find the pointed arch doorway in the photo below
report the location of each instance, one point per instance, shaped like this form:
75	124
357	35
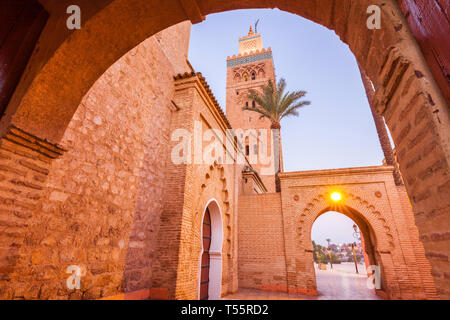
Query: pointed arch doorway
204	273
210	277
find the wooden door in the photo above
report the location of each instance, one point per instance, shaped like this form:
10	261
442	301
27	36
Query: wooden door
204	278
21	23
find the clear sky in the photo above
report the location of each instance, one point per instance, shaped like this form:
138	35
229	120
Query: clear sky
325	227
337	129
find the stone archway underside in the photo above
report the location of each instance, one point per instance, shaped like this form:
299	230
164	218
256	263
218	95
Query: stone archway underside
406	94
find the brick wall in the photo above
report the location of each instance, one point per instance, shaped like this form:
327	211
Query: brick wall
262	261
190	187
428	21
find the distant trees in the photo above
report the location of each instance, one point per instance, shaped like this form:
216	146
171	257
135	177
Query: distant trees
321	255
350	258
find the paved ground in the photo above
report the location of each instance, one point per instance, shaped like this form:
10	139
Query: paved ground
340	283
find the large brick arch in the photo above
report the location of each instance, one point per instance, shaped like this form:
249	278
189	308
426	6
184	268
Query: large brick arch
65	65
116	28
380	209
356	208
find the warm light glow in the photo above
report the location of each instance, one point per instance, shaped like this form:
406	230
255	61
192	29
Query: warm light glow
336	196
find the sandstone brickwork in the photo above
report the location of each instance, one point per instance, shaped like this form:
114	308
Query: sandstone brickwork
191	186
262	259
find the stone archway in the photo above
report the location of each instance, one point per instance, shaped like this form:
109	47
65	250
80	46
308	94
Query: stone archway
368	239
406	93
79	58
378	239
371	199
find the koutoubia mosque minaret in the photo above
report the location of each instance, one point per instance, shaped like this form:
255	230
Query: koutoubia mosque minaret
250	69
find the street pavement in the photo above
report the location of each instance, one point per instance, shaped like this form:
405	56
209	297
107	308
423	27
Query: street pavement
339	283
343	283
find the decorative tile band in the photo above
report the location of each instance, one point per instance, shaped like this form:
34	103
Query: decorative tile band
249	59
243	39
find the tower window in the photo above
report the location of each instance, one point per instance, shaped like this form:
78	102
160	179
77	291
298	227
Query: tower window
255	149
247	150
245	76
237	92
253	76
253	104
246	104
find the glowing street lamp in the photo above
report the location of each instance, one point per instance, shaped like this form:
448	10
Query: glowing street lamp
336	196
357	233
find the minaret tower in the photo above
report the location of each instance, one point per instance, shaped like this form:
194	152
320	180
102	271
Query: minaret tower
250	69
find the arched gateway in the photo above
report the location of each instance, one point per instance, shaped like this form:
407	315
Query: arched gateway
52	215
369	197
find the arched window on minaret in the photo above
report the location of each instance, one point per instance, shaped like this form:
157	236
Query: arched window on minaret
261	73
245	76
246	104
253	103
247	146
253	75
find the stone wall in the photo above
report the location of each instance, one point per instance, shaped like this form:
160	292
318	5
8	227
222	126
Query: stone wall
100	206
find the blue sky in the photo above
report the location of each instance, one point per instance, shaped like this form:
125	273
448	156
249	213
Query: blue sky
337	129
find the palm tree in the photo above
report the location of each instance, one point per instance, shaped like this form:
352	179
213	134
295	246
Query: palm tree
381	130
274	104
